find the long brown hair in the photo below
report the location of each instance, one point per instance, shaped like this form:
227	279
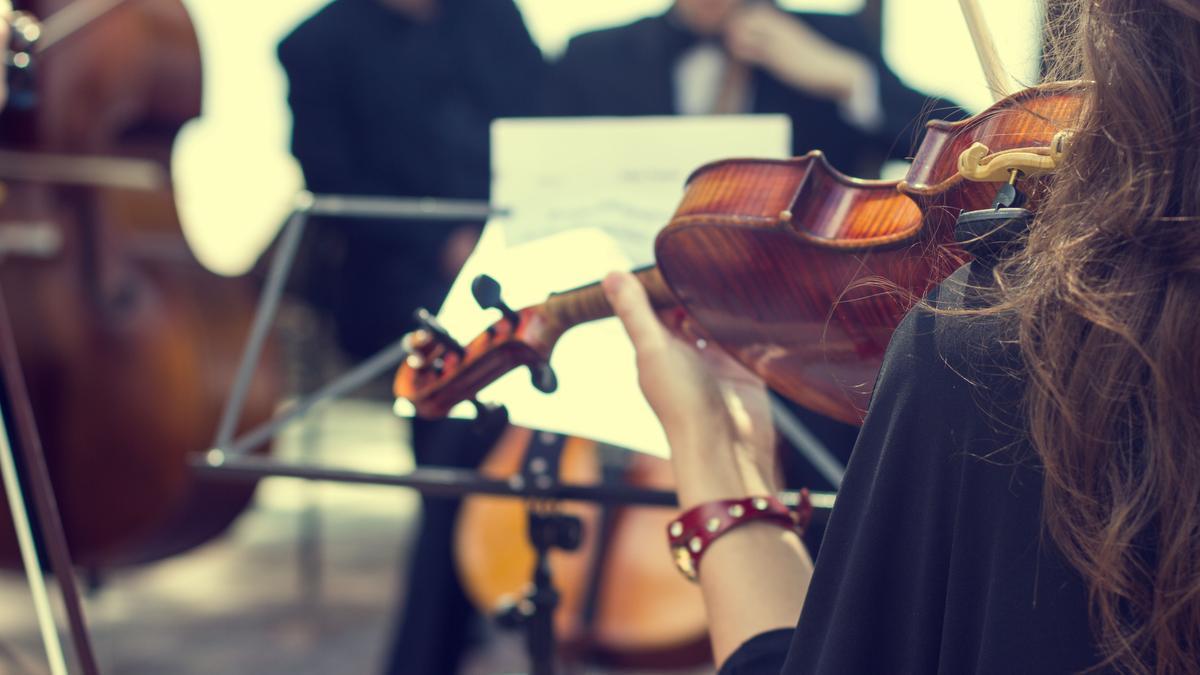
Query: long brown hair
1106	300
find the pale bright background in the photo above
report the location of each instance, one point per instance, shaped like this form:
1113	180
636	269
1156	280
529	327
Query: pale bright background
231	209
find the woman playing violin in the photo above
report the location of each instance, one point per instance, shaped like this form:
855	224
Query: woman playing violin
1025	493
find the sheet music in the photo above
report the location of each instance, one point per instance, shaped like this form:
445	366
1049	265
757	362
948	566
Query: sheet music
588	196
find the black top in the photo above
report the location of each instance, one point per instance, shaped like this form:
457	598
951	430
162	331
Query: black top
935	560
629	70
383	105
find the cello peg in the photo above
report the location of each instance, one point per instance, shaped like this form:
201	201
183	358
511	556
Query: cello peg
436	331
487	293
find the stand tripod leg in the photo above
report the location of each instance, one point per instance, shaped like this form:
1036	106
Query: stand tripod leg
264	316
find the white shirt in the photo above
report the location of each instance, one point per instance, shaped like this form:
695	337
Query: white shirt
700	73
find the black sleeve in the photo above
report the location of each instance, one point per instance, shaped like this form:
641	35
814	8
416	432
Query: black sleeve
566	92
503	67
322	128
762	654
881	573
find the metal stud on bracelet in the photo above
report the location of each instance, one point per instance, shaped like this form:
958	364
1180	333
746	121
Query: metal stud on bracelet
693	532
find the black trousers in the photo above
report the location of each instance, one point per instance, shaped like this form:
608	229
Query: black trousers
433	622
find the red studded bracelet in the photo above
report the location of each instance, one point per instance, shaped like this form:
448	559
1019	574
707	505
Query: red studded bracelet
692	533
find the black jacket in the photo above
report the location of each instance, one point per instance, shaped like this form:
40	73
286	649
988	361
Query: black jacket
935	559
628	70
386	106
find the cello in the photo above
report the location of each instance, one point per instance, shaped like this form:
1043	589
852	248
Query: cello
126	341
617	606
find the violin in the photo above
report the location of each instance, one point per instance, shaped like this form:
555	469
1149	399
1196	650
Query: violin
799	272
127	343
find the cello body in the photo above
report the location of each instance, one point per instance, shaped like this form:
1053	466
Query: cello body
618	604
127	343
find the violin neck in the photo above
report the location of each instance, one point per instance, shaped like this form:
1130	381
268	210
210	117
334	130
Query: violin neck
587	303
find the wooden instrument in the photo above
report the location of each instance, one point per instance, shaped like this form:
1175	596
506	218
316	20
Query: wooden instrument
797	270
618	605
127	343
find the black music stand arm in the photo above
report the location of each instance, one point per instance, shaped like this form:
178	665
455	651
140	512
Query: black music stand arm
307	205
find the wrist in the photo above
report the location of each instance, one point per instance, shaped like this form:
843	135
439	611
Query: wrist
692	533
712	471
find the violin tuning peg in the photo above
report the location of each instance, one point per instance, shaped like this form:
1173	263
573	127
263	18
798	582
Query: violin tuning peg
415	361
417	339
543	377
487	293
436	331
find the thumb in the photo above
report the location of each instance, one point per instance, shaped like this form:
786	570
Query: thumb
629	302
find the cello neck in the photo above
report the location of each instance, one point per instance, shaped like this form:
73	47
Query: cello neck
587	303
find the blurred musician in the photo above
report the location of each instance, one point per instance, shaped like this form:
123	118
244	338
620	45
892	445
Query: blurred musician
395	98
744	56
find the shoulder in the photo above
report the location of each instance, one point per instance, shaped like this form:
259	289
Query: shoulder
332	24
958	361
622	39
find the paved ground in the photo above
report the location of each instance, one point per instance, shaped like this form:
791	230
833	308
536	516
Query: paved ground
274	596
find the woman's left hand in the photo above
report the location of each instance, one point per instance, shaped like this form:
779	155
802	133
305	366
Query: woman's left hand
716	414
717	418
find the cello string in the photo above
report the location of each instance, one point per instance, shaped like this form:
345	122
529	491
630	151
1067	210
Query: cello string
29	557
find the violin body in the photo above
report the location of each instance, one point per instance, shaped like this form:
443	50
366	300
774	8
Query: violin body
643	612
127	343
803	274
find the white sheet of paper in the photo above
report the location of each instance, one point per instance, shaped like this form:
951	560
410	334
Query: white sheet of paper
587	196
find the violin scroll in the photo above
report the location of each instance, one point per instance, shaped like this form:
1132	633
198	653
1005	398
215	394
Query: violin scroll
439	374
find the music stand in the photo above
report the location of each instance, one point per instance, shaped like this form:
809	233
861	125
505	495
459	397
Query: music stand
229	458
